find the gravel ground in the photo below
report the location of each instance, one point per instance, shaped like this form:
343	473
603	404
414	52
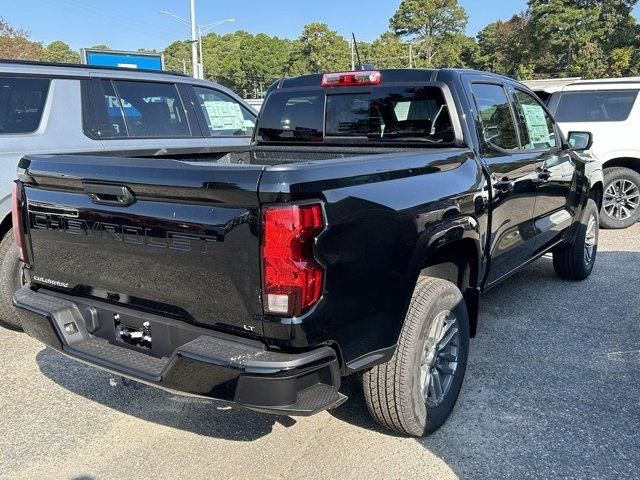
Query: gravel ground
552	391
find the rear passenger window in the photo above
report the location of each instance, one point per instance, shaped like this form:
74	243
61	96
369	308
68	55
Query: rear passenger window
141	109
21	104
225	117
498	126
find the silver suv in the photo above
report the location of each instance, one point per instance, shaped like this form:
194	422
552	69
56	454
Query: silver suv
51	108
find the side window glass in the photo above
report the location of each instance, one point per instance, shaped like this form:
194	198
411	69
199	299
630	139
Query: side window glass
498	126
151	109
596	106
22	104
536	126
225	117
112	124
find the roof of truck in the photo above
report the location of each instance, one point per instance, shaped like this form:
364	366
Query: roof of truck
389	75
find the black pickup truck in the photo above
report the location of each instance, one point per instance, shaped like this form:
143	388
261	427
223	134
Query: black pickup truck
356	234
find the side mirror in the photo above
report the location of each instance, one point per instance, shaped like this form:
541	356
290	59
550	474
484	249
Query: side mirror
580	140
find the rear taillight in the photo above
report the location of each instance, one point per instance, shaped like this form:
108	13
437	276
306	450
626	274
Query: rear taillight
346	79
16	218
292	277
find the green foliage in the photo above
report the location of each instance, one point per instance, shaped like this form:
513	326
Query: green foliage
387	51
58	51
582	37
319	49
504	47
15	43
435	26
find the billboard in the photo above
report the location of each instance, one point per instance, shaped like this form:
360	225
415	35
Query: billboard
115	58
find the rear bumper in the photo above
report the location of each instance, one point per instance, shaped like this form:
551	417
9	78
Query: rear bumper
202	362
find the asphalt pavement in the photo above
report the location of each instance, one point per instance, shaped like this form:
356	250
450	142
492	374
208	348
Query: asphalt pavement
552	391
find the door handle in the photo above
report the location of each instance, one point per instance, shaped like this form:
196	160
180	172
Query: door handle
505	185
118	195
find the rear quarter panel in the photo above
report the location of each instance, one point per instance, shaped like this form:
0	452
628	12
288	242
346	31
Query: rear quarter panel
384	213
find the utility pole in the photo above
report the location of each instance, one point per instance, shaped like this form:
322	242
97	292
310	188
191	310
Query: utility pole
194	41
410	55
196	37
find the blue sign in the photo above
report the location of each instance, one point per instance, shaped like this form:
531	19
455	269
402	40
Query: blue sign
111	58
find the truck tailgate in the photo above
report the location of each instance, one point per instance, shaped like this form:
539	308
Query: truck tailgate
171	237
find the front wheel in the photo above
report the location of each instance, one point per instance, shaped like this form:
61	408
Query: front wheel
621	202
415	391
576	260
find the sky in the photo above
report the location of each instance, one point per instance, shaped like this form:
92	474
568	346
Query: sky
133	24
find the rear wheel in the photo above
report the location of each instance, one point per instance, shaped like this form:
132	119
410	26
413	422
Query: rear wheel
10	281
415	391
621	201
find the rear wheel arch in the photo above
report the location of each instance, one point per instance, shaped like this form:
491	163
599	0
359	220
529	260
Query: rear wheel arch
458	261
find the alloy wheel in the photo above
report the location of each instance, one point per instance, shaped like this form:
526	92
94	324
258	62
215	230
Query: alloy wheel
621	199
591	240
439	358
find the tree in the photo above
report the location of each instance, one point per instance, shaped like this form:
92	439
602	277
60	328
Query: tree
387	51
583	37
58	51
436	26
15	43
503	47
319	49
177	57
560	29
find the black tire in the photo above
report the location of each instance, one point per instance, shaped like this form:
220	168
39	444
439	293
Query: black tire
393	390
572	261
614	177
10	281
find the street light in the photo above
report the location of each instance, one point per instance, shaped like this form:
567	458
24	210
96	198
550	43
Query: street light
196	41
203	29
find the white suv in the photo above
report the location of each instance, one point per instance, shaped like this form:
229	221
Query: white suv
610	110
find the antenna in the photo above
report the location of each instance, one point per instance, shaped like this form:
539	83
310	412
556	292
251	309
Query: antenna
355	46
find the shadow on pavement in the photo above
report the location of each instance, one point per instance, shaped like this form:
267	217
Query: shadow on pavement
551	390
553	380
200	416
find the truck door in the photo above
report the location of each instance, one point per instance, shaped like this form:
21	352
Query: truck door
555	168
514	179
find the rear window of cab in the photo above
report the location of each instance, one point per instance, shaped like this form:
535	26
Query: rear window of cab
395	114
